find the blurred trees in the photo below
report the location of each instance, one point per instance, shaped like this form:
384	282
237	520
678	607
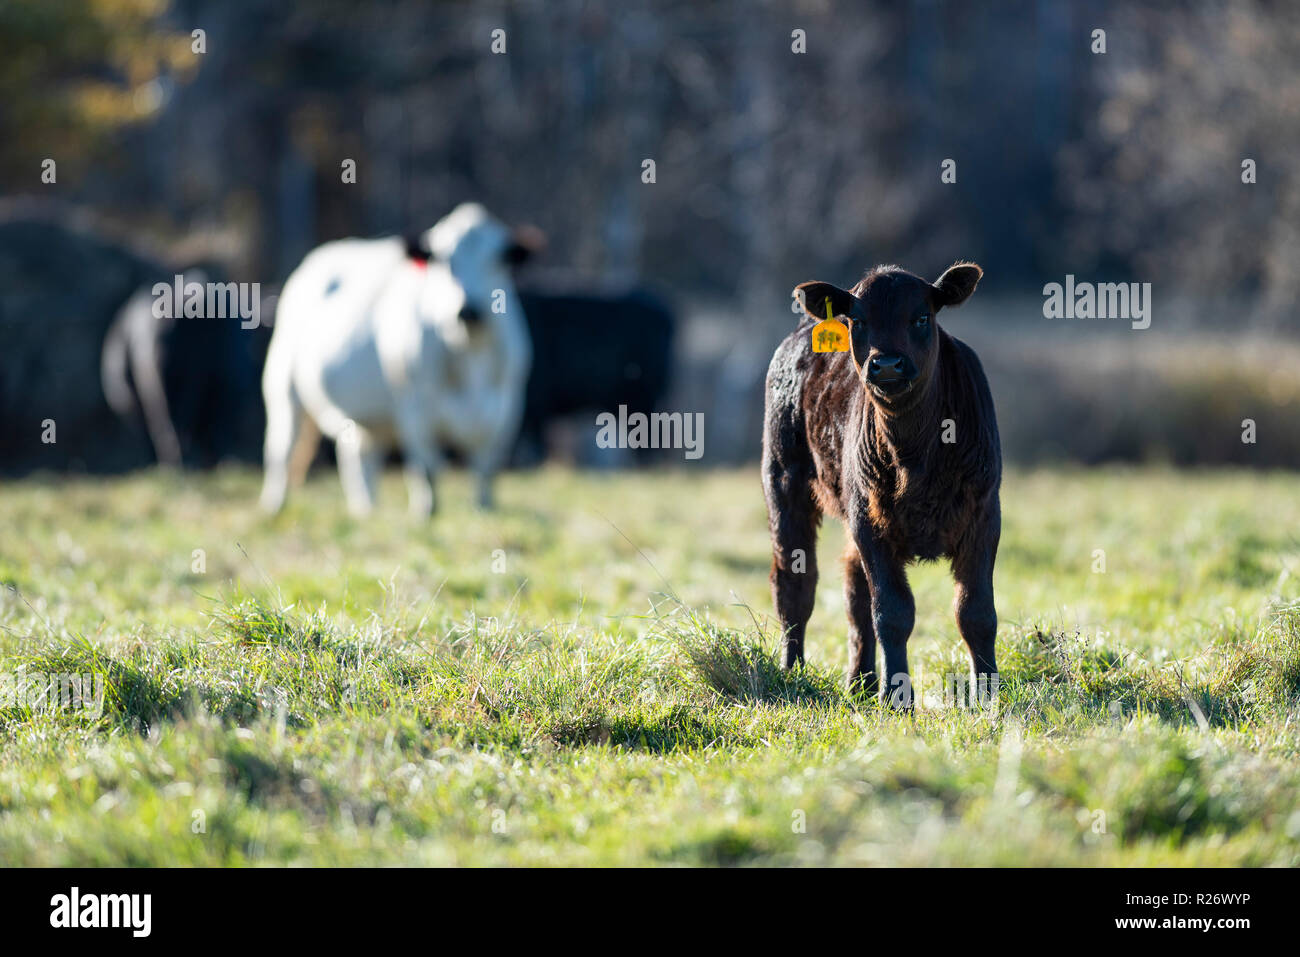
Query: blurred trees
74	72
771	166
1189	92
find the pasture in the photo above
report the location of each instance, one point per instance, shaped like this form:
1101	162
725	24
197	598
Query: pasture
588	676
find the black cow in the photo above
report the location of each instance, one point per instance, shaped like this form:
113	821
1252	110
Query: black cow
592	352
194	379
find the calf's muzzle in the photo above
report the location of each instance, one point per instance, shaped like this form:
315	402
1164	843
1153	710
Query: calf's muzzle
891	374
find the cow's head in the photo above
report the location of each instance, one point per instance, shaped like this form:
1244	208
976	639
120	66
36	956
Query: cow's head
476	252
891	318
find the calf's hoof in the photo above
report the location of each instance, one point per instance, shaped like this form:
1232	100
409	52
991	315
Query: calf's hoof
898	695
862	684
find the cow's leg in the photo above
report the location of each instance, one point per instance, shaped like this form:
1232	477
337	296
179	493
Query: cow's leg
372	463
792	517
530	445
485	472
419	455
862	678
977	618
421	470
491	456
893	613
486	463
358	460
284	416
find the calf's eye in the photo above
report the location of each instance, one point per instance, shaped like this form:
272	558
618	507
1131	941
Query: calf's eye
921	321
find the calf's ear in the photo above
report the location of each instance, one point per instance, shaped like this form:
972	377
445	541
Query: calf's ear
814	296
955	286
525	243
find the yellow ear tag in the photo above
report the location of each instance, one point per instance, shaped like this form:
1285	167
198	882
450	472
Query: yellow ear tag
830	335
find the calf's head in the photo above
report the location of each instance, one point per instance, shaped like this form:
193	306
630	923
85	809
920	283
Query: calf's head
891	318
470	254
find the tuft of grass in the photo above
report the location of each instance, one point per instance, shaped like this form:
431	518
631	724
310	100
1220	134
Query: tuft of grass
737	666
253	621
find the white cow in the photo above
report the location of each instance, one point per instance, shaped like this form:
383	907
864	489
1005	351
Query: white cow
378	348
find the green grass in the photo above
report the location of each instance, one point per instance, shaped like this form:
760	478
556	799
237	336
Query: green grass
587	676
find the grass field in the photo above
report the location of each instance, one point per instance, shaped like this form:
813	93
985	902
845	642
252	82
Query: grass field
587	676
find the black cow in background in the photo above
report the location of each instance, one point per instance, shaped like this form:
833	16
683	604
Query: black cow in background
62	278
194	379
593	350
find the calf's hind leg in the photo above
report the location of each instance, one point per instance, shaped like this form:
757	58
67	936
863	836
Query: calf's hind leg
977	618
792	518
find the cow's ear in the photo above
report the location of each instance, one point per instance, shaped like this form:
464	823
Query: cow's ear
417	246
814	296
525	243
955	286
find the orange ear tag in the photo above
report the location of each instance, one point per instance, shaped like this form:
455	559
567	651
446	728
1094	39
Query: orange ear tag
830	335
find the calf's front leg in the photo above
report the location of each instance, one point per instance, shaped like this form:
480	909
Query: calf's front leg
893	613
